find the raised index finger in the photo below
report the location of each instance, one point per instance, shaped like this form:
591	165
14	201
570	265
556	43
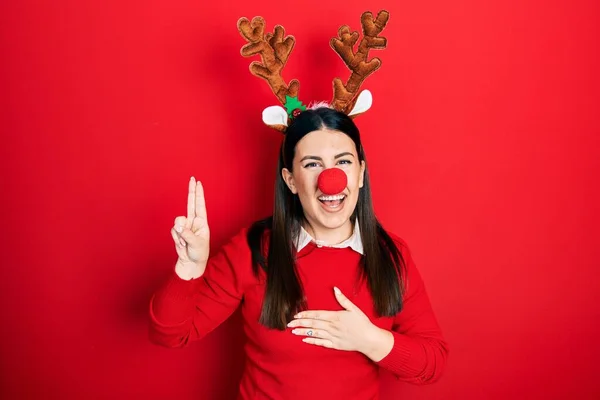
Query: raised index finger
191	205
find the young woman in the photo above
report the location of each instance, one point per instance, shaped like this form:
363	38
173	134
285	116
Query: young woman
328	296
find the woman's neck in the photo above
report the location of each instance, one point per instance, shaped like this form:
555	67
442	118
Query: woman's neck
329	236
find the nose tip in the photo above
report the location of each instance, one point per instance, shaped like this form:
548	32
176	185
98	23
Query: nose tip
332	181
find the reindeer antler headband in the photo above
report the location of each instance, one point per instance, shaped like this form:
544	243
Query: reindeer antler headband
275	48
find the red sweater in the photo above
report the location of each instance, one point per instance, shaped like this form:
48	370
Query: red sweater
279	365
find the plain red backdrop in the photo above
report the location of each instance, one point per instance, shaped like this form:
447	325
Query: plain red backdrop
483	147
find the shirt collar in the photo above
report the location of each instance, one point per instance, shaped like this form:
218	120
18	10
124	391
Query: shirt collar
354	241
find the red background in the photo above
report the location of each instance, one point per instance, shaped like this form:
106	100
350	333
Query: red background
482	143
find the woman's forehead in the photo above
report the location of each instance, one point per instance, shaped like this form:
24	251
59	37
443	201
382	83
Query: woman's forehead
324	143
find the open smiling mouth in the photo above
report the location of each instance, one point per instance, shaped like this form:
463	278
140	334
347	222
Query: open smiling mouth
333	202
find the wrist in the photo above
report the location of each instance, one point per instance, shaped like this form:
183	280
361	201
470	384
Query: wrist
188	271
378	344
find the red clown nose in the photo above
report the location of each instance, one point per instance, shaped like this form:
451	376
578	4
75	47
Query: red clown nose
332	181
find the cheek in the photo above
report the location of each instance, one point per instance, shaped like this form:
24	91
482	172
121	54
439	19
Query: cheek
306	183
353	178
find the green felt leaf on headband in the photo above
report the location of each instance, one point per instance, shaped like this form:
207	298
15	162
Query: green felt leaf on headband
292	103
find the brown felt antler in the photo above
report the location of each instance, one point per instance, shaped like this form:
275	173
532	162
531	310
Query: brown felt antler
344	96
274	49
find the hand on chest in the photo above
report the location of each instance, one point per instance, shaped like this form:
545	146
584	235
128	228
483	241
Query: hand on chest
319	272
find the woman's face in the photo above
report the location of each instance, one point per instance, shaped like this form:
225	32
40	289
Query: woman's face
315	152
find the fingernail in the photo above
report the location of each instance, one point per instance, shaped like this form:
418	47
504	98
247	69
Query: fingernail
336	290
295	331
179	228
290	324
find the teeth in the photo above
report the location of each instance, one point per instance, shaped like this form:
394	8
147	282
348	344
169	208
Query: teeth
330	198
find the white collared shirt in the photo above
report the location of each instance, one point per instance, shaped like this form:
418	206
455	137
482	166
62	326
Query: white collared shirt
354	241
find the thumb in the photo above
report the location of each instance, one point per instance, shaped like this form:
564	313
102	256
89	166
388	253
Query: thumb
343	300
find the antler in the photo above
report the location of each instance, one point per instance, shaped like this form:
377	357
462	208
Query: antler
344	96
274	50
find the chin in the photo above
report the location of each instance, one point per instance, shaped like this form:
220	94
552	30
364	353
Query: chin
333	220
333	223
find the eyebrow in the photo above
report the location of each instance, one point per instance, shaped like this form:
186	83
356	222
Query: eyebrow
346	153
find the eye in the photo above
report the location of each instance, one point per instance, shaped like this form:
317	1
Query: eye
311	165
345	162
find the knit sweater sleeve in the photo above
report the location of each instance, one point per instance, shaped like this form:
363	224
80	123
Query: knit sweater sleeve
185	310
419	353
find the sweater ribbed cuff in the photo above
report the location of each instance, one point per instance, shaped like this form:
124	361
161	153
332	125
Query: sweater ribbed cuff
406	359
177	287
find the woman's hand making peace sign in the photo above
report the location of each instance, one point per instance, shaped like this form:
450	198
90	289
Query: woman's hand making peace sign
191	235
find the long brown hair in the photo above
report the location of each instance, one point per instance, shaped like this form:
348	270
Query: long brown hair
382	263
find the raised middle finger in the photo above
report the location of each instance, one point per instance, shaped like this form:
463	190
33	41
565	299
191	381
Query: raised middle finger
191	205
200	203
